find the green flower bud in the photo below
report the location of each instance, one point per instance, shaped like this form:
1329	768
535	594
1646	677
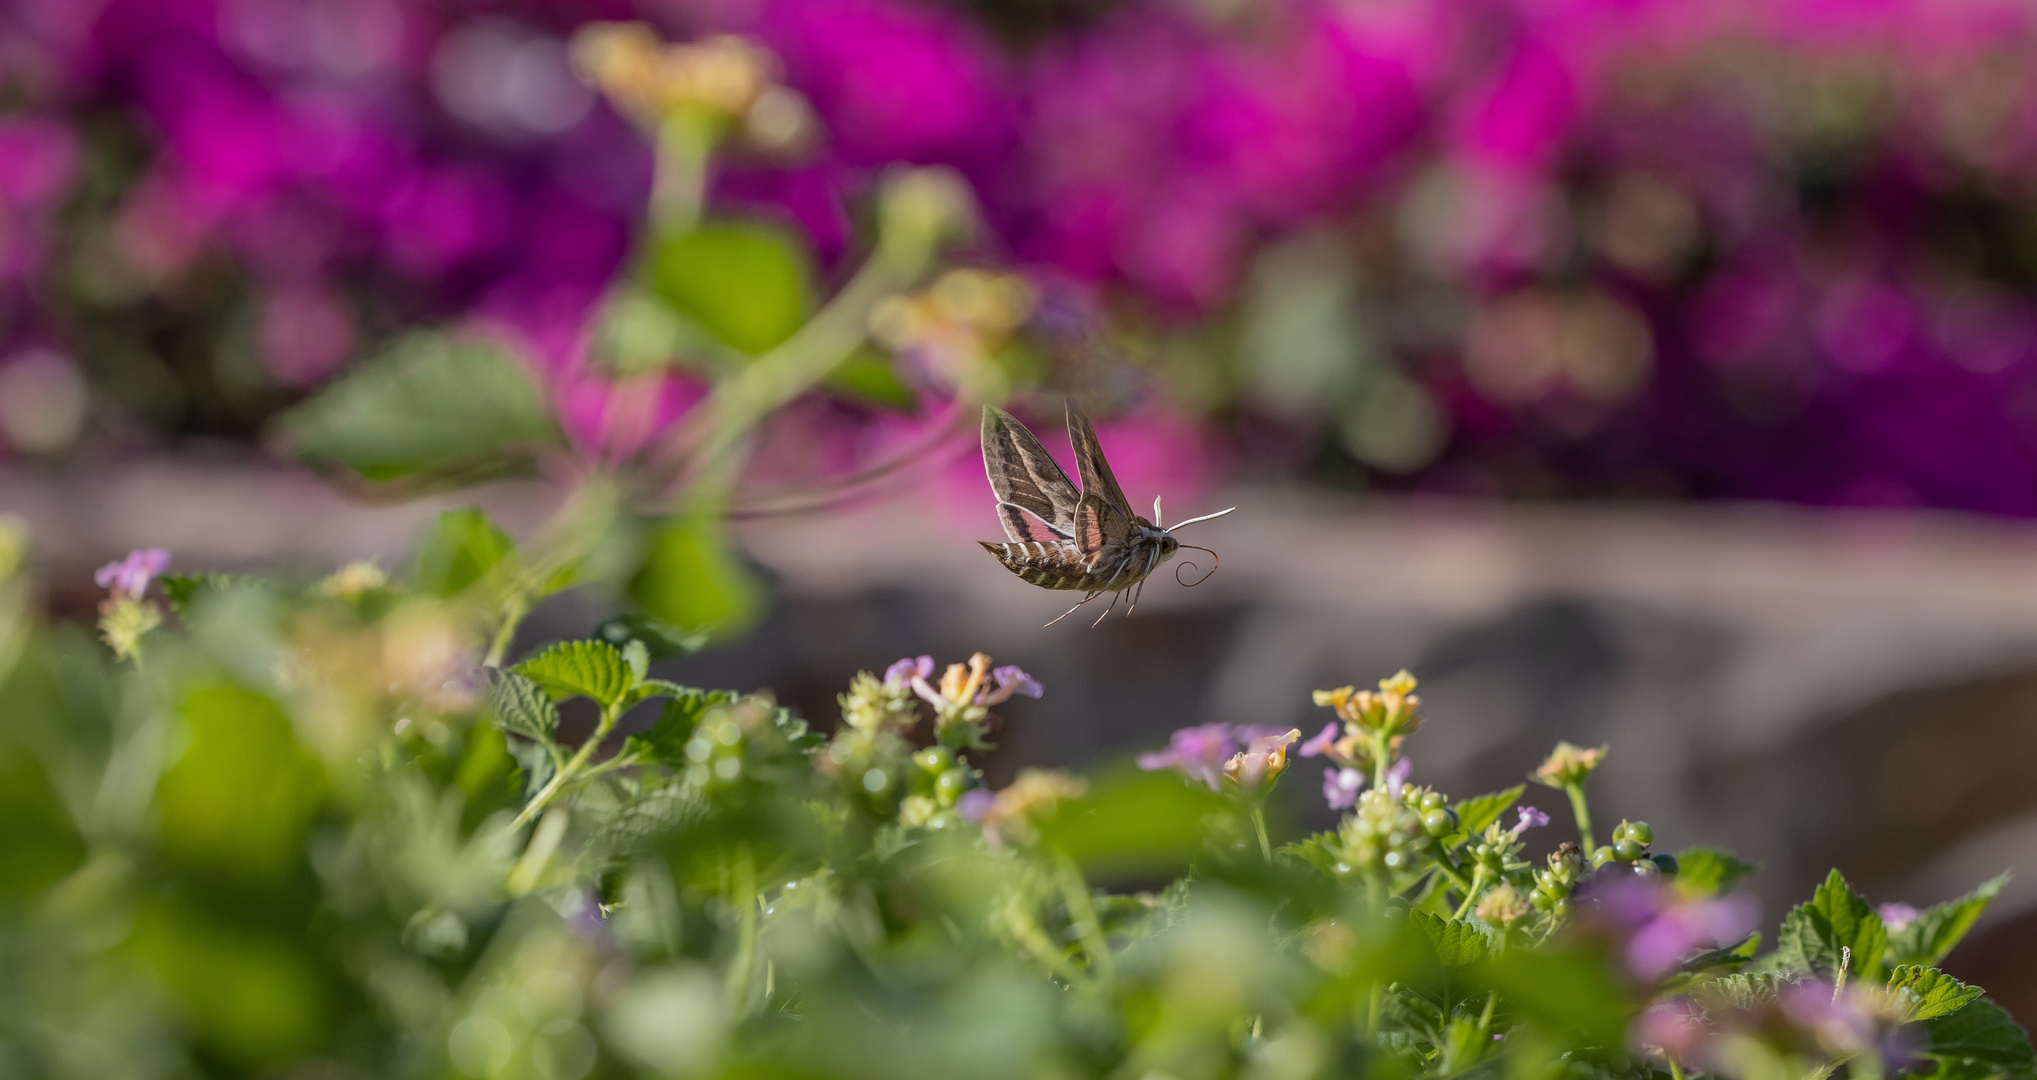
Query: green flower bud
934	759
1628	850
1602	856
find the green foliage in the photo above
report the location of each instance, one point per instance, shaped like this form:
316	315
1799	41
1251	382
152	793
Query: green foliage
431	403
1937	929
522	707
1932	992
869	377
462	548
747	283
691	577
1837	926
1703	871
307	839
1981	1039
589	669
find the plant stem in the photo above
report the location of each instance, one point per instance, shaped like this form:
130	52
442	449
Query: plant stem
1583	813
578	761
505	634
1259	826
1082	913
1477	883
1675	1070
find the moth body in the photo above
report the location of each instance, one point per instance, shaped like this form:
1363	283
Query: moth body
1085	540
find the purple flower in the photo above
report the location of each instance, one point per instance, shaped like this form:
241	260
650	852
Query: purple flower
1341	787
975	803
908	669
131	576
1322	741
1010	680
1898	916
1397	774
1661	928
1531	818
1198	753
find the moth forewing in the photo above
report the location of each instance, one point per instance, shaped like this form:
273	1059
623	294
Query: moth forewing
1088	540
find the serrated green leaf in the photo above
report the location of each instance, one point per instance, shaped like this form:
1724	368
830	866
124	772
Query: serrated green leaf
520	706
589	669
461	549
1458	942
1815	935
1938	929
663	641
747	283
1981	1032
1745	990
1931	992
1703	871
1312	850
1474	814
431	402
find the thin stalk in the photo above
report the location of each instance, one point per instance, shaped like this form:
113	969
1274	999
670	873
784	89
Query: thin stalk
1477	883
1583	813
505	634
1675	1070
571	771
1379	762
1082	912
743	895
1259	826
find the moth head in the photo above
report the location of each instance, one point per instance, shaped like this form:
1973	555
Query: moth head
1168	545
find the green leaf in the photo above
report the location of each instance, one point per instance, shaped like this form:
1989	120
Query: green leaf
1933	993
1133	824
1312	850
691	577
867	376
1577	994
1836	918
461	549
431	402
183	590
747	283
1703	871
589	669
1938	929
519	705
1458	942
662	641
1746	990
1981	1032
665	742
1474	814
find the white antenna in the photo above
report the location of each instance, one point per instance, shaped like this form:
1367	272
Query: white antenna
1205	517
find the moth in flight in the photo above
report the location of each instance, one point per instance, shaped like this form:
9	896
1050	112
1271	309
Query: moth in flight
1061	538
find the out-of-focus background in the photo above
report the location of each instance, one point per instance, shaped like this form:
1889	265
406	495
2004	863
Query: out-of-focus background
1660	373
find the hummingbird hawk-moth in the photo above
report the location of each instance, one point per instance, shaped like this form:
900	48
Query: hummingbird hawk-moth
1061	538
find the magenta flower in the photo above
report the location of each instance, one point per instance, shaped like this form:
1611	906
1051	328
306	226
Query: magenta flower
1898	916
1198	753
131	576
1010	680
1341	787
905	671
1531	818
1658	928
1323	740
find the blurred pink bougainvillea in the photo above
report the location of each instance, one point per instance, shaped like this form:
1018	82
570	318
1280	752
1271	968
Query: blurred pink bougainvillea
1725	248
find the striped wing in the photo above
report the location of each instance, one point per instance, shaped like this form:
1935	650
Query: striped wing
1032	491
1103	516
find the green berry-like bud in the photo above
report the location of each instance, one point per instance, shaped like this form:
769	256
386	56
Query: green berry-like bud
1602	856
934	759
1628	850
1666	863
950	785
1432	800
1640	833
1439	821
1645	868
1560	908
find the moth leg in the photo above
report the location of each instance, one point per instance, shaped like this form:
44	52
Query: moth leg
1072	610
1140	589
1107	610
